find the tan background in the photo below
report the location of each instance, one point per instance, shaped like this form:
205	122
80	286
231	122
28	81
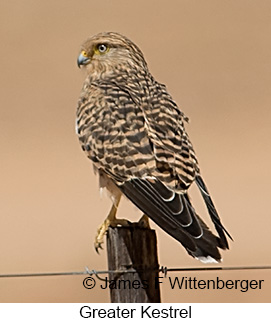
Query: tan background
214	56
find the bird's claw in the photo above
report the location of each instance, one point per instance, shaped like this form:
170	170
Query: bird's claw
103	229
98	246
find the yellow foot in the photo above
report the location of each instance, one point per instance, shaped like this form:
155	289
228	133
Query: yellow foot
110	220
99	239
144	222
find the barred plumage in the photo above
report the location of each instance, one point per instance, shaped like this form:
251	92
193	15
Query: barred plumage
133	131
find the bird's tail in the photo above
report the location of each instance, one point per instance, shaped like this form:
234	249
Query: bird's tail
223	243
175	214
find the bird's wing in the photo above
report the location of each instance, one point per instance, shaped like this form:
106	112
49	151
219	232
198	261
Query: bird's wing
112	132
176	162
148	155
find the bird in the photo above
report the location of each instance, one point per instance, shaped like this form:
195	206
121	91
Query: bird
134	133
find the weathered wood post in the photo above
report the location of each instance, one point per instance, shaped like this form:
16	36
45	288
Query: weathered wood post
133	248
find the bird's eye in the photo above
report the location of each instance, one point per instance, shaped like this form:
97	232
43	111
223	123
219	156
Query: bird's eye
102	48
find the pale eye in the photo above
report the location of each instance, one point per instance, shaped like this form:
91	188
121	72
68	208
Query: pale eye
102	48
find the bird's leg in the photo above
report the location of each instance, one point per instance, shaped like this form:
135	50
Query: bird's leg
112	221
144	222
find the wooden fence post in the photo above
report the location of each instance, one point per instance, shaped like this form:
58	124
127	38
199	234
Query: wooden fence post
133	248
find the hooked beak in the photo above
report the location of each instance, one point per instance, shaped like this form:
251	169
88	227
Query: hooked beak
83	59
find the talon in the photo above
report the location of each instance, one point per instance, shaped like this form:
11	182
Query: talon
109	221
103	229
97	246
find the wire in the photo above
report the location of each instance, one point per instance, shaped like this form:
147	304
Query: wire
162	269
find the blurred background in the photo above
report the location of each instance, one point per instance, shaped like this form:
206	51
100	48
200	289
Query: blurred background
215	58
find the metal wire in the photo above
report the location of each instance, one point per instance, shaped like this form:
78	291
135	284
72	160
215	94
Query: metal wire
162	269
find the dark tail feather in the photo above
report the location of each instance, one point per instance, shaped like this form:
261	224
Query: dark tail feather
213	214
175	215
